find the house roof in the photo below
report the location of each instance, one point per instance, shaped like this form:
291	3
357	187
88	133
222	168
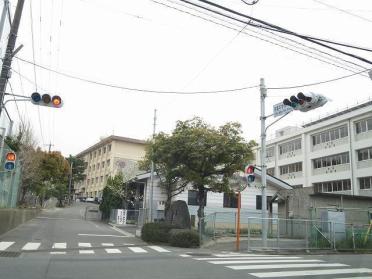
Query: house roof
110	139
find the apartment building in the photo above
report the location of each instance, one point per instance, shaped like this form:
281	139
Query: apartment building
332	154
106	158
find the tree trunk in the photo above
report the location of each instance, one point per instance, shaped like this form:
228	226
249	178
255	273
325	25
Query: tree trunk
201	199
167	206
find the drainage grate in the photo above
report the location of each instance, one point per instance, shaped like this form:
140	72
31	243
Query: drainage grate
9	254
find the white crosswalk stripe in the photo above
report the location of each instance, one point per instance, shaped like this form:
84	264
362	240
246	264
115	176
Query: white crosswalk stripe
86	251
84	244
310	272
107	244
59	245
5	245
58	253
31	246
113	251
159	249
137	250
261	265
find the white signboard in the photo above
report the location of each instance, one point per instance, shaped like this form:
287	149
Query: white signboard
121	217
280	109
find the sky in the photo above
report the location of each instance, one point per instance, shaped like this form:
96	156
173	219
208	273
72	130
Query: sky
145	44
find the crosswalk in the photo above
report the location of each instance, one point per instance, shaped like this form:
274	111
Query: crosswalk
82	248
279	266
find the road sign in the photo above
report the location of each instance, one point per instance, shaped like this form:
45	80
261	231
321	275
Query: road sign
121	218
280	109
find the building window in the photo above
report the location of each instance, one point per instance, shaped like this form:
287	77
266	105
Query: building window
338	159
271	171
90	155
96	179
363	126
109	148
98	166
88	181
365	154
101	179
230	200
104	150
290	146
108	163
329	135
259	202
103	164
270	152
94	154
192	198
296	167
333	186
94	167
365	182
99	152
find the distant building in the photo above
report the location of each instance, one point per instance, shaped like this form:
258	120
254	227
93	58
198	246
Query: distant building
332	154
106	158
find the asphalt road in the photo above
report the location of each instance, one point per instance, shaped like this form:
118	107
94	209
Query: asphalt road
60	244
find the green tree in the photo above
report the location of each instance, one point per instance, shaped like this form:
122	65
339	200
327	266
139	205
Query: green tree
207	157
110	197
162	152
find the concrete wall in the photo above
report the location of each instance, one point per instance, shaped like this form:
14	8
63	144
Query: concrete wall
302	203
11	218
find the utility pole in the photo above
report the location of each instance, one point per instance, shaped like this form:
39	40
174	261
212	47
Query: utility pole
70	182
49	146
7	62
263	94
152	172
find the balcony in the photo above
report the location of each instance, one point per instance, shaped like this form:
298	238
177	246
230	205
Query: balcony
292	175
331	169
290	154
330	144
364	164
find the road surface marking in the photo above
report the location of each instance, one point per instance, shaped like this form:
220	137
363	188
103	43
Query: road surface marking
137	249
5	245
113	251
310	272
107	244
242	255
51	218
58	253
265	261
127	234
61	245
159	249
31	246
106	235
247	258
185	256
361	277
273	266
128	244
86	252
83	244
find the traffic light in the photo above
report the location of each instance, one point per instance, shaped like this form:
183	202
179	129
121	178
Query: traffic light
249	171
10	159
305	102
46	100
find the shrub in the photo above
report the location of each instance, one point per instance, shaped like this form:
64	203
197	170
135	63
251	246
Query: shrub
156	232
184	238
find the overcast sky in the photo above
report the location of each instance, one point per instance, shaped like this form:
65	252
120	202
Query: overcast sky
142	44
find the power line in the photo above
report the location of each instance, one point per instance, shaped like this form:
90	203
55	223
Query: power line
16	104
316	83
137	89
342	10
256	32
270	26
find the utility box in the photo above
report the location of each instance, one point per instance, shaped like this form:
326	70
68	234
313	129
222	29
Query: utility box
334	222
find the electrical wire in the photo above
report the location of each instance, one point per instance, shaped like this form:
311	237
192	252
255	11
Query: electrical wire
106	84
253	31
16	104
254	2
315	83
343	11
270	26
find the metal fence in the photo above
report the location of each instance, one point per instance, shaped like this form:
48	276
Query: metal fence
287	234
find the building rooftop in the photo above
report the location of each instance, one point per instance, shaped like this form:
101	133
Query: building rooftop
110	139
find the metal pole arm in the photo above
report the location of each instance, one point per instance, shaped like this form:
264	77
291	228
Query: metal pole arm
280	118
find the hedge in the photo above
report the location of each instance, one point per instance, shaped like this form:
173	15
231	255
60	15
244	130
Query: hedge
156	232
184	238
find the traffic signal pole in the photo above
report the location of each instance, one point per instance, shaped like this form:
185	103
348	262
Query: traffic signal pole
263	94
7	62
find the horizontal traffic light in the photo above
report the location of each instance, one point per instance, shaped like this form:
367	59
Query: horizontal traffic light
46	100
305	102
10	158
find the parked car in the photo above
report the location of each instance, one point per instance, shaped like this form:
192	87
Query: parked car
82	199
91	199
97	200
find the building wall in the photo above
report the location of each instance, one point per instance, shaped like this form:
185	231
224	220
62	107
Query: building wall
105	160
352	170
